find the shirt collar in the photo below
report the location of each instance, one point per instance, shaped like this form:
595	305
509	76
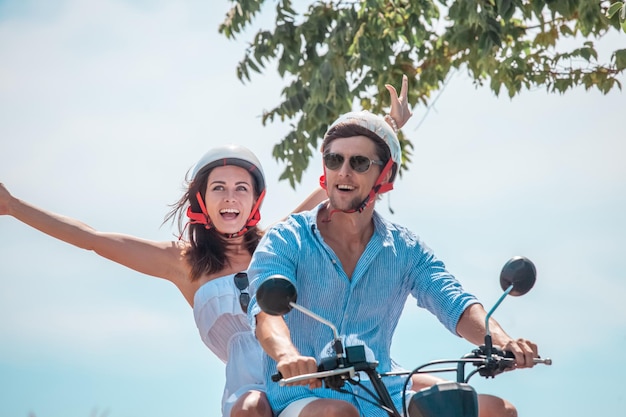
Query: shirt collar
382	227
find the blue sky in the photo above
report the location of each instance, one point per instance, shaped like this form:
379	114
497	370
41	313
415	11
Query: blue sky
104	105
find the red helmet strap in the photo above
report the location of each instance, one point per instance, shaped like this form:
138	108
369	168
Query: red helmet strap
255	214
199	218
323	180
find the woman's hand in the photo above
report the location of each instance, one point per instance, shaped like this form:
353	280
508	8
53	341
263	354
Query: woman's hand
400	111
5	198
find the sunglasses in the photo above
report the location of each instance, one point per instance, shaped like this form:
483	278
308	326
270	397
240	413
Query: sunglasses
241	282
358	163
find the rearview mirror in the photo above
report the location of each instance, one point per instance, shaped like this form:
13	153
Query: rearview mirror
275	294
519	272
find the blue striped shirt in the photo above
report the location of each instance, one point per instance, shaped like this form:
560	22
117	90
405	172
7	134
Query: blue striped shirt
365	308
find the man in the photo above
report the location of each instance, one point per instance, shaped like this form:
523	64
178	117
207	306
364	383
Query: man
356	270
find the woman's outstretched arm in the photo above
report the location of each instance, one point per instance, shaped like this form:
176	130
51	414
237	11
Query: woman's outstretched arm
159	259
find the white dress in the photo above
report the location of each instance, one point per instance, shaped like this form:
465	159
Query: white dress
224	328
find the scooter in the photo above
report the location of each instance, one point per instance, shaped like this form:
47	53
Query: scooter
277	296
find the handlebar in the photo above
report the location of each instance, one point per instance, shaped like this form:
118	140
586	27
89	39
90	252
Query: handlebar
487	366
335	372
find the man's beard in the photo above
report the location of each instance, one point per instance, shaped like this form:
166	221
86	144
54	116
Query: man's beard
352	205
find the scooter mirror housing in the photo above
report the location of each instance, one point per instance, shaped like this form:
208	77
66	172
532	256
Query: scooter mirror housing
275	294
519	272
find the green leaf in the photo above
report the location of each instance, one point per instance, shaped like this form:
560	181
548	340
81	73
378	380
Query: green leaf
585	53
566	30
620	59
614	8
505	9
561	85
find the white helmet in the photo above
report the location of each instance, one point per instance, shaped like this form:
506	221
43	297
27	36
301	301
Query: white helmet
377	125
233	155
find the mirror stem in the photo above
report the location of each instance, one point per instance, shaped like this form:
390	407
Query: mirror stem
337	345
488	342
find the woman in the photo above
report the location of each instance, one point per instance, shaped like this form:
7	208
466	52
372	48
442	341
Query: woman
222	204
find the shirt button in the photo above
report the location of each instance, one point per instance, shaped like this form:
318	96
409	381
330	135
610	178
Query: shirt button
334	262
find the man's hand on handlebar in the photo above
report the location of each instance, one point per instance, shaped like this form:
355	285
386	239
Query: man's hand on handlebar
273	334
525	352
290	366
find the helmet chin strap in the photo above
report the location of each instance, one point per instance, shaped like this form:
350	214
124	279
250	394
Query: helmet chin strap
378	188
203	217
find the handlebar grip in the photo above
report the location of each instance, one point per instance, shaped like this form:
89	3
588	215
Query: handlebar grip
278	376
538	360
